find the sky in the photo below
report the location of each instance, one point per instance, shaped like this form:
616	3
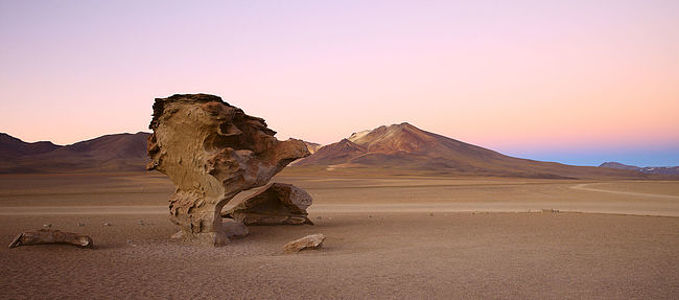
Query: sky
578	82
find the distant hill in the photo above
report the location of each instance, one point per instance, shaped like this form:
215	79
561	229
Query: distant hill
116	152
11	147
406	147
646	170
336	153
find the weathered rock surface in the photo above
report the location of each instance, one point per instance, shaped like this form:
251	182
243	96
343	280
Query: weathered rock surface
308	242
274	204
51	236
212	151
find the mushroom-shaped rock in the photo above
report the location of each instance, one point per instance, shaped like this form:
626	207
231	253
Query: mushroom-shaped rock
273	204
212	151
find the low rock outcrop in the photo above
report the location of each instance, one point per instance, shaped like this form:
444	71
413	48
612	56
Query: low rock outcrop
274	204
51	236
212	151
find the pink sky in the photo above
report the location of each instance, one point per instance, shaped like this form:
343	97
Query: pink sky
514	76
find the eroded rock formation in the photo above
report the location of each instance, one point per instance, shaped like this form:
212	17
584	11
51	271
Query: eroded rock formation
274	204
211	151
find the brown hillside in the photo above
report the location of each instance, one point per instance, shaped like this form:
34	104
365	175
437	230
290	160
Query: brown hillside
406	147
11	147
116	152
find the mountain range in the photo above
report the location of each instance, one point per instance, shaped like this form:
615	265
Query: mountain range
109	153
398	149
646	170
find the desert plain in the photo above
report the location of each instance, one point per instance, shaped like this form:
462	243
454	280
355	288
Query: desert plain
387	237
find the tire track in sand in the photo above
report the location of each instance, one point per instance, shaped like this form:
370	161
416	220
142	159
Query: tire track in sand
586	187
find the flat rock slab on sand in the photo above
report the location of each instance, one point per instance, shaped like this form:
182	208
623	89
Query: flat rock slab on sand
51	236
312	241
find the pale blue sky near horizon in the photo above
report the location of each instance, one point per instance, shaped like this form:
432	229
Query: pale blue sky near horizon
640	157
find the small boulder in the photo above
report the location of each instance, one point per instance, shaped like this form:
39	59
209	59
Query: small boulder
308	242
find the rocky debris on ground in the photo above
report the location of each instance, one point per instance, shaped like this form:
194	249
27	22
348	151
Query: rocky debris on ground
312	241
273	204
107	224
51	236
211	151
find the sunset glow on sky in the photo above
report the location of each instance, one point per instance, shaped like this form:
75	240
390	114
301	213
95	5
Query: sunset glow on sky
578	82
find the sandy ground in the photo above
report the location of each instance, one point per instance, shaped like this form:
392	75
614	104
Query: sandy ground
387	238
148	193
